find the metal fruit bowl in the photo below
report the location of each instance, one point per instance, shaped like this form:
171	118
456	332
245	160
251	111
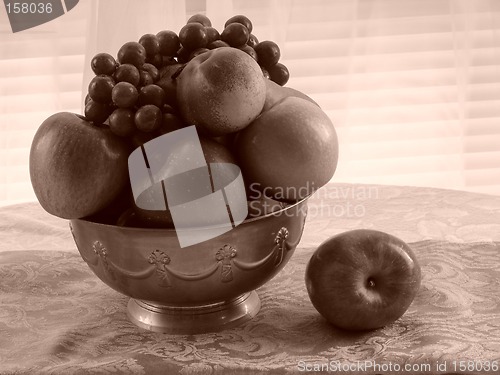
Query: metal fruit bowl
200	288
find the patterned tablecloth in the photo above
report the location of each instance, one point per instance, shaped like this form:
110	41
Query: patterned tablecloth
56	317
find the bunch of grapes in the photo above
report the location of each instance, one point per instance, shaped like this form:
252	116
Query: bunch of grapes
125	92
198	36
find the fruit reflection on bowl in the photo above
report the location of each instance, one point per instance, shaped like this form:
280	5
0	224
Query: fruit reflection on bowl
200	288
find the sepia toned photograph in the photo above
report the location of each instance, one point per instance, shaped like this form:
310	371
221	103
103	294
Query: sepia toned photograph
250	187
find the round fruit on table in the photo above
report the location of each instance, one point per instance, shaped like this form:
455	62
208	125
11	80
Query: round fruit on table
362	279
279	73
103	63
122	122
152	94
100	88
200	18
289	151
240	18
152	70
127	73
235	34
168	42
124	95
221	91
148	118
132	53
212	34
97	112
76	167
268	52
151	44
193	35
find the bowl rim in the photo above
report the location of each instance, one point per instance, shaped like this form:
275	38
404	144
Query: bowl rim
173	230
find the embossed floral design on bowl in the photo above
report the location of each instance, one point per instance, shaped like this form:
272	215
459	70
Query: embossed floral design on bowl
204	287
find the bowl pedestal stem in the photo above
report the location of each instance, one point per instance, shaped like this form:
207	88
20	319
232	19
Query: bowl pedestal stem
195	319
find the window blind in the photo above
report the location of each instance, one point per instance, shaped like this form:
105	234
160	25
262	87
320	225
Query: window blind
41	73
413	87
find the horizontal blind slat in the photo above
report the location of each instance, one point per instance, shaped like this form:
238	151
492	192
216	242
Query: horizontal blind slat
39	84
41	101
37	66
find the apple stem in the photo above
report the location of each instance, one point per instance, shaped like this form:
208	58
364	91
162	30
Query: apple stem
97	124
82	117
178	71
370	283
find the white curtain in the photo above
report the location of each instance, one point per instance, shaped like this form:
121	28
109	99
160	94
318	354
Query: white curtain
413	86
40	74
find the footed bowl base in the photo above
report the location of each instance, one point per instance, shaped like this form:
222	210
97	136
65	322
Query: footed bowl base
194	319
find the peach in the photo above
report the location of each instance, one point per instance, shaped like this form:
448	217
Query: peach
221	91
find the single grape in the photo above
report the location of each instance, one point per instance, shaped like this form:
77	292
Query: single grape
170	122
124	95
100	88
169	42
235	34
246	48
103	63
252	40
167	108
212	34
217	44
193	35
279	73
152	70
148	118
97	112
152	94
121	122
268	53
156	60
87	98
197	52
132	53
151	44
242	20
127	73
200	18
146	78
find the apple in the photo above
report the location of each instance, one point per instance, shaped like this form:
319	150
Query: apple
111	212
362	279
76	167
289	151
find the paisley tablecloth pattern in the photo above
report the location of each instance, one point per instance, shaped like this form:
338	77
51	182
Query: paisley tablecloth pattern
56	317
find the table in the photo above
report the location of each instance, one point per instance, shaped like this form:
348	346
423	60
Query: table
56	317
